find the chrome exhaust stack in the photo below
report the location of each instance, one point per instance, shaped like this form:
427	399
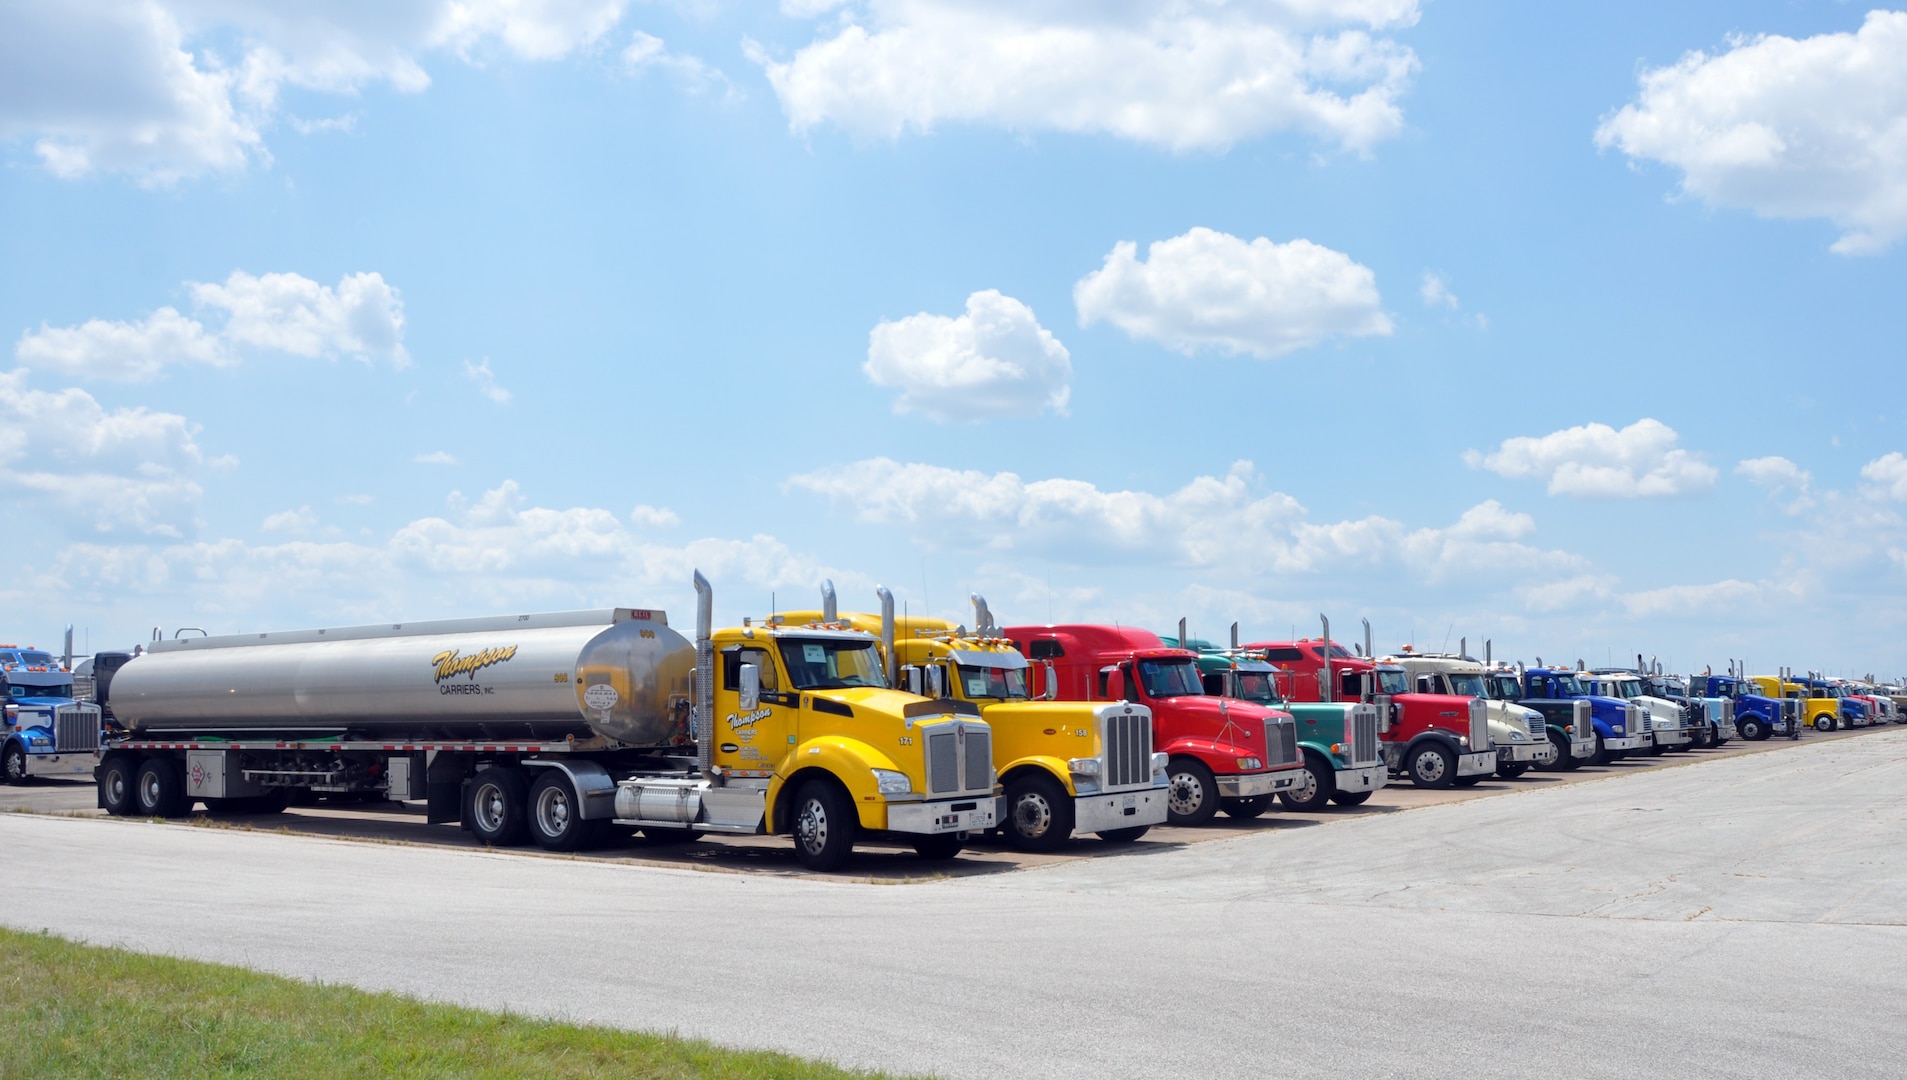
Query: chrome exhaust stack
829	613
887	634
983	624
704	673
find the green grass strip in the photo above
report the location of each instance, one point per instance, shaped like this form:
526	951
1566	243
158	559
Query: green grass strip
77	1010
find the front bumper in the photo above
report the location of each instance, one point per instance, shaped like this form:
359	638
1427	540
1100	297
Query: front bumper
1119	810
1670	737
1364	778
1584	749
971	814
1629	742
1481	763
78	763
1533	752
1250	785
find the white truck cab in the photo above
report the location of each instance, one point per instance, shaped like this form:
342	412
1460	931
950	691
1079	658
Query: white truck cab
1521	735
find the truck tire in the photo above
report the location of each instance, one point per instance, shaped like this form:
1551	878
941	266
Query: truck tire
1351	798
1752	729
158	790
1313	790
1039	813
940	847
1191	797
1432	766
499	807
824	825
116	779
1824	722
1511	772
13	764
555	813
1246	809
1124	836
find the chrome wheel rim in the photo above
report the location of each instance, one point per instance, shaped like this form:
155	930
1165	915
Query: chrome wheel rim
149	790
1429	765
1187	794
116	787
811	827
488	808
552	811
1306	789
1032	815
16	765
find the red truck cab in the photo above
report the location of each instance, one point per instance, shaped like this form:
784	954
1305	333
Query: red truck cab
1224	753
1438	740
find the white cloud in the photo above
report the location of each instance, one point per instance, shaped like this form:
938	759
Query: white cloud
995	360
295	522
1208	289
167	89
1787	128
654	517
1436	293
1598	461
1780	476
1697	601
127	469
1199	74
362	317
356	500
486	381
647	52
437	457
1888	475
1225	522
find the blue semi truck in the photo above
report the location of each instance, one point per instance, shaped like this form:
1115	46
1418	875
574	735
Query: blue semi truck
1756	717
1620	726
45	732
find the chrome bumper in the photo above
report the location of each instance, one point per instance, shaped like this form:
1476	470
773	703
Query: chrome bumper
1365	778
1670	738
78	763
1540	753
1119	810
951	815
1253	784
1586	748
1481	763
1632	742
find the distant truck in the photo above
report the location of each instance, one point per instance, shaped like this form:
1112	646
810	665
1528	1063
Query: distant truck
1711	719
1668	722
1621	726
1817	708
1756	716
44	730
1567	723
1521	734
1222	753
1343	754
558	728
1068	768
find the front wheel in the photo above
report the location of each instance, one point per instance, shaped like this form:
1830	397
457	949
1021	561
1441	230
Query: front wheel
1432	766
1351	798
1124	836
1039	813
939	847
824	827
1246	809
1312	790
1752	729
1192	798
1824	722
13	764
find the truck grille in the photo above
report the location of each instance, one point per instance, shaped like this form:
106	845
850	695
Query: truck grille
1479	725
1728	716
1364	735
1281	742
1539	729
76	728
959	762
1127	738
1582	726
1637	721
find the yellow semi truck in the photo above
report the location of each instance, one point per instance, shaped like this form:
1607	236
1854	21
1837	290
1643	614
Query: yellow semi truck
1817	710
1068	768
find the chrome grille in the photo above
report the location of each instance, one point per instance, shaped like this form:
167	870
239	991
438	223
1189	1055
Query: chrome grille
1539	728
76	728
943	763
1728	716
1281	742
1127	738
1582	726
1637	721
1364	735
1479	726
979	772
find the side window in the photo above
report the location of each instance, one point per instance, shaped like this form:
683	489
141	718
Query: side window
1426	684
732	662
1214	682
1047	649
1287	655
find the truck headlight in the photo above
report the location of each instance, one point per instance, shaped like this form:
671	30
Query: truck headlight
1083	766
890	782
1617	728
1250	763
1161	762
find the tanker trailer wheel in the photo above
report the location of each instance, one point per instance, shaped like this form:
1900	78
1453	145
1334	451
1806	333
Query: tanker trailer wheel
1432	766
159	791
1039	813
824	824
1192	795
1752	729
1124	836
1312	790
1247	808
116	779
939	847
498	807
1351	798
13	764
556	814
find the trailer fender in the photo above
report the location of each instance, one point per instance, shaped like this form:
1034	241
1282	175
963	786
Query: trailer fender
595	788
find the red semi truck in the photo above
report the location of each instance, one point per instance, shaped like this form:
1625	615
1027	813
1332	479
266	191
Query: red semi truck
1224	753
1437	740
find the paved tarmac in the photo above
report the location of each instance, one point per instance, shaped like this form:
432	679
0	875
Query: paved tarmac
1738	917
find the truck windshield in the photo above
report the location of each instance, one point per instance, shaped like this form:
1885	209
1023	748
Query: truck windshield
1391	681
1170	678
1569	686
831	664
1504	688
1622	688
1258	687
36	659
1338	652
1466	684
55	690
992	682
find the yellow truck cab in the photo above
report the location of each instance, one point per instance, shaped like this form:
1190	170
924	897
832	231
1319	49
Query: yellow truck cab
1817	711
1068	768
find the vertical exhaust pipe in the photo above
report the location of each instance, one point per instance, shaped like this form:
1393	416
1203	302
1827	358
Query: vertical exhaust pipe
1368	654
704	673
1326	689
887	634
1487	660
1184	642
1234	637
66	659
983	624
829	613
1463	648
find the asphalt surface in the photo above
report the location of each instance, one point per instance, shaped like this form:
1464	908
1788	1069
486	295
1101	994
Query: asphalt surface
1737	917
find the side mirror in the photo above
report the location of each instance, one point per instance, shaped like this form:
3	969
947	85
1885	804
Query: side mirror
751	687
1115	678
936	681
1052	682
910	679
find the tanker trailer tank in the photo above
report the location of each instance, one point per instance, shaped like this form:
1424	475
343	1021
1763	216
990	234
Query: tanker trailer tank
620	673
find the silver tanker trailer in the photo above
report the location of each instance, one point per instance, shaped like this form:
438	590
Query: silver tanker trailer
552	728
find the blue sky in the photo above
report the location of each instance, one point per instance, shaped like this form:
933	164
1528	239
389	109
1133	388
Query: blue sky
1576	327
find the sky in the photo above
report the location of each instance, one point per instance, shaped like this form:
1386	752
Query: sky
1565	326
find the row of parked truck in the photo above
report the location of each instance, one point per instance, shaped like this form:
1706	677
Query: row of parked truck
568	729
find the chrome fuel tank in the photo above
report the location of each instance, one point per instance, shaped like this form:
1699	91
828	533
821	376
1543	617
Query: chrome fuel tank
618	672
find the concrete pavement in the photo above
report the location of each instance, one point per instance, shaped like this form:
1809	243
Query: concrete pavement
1739	917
